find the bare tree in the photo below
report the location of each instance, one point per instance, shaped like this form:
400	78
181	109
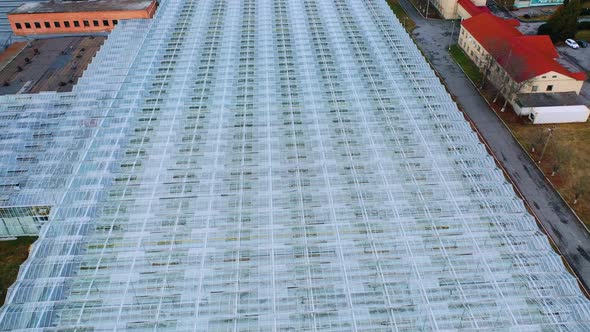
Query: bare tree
495	45
538	139
581	188
562	156
487	62
509	89
509	85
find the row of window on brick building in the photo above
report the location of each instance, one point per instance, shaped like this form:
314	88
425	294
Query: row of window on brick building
66	24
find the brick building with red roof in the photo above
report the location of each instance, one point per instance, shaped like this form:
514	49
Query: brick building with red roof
467	9
527	63
453	9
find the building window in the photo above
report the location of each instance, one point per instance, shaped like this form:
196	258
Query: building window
554	76
544	76
86	23
18	26
47	25
549	87
57	24
95	22
105	23
76	24
37	25
67	24
28	25
534	88
115	22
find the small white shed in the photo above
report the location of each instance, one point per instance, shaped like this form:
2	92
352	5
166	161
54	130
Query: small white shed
542	108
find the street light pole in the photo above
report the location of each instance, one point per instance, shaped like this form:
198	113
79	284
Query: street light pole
452	33
545	146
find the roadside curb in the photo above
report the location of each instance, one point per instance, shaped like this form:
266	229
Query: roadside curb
525	150
509	177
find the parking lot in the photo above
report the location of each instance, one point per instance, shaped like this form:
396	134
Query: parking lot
579	58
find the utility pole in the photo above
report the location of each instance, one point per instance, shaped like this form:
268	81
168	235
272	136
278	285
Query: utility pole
427	7
545	146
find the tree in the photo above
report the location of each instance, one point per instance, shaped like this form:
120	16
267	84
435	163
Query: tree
487	62
511	89
538	139
581	188
563	23
496	45
507	4
562	156
544	29
508	86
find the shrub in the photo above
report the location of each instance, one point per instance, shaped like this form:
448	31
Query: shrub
544	29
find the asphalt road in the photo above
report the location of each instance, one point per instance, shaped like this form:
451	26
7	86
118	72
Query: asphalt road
572	238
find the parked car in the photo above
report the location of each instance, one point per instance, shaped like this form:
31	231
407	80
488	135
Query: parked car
572	43
582	43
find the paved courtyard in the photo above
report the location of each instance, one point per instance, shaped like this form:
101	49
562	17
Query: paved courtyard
579	58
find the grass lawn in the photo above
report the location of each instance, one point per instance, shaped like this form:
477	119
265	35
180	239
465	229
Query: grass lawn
466	64
401	14
12	254
583	34
567	152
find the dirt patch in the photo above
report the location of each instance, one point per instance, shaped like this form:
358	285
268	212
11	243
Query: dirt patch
563	155
12	254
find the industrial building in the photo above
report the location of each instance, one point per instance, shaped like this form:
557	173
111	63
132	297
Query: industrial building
267	165
71	17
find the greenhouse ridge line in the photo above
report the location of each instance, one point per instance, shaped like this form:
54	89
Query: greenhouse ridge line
564	227
262	165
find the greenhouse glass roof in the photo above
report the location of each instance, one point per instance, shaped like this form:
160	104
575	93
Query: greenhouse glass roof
267	165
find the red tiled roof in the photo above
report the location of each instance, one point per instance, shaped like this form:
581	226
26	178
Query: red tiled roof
523	57
485	9
511	21
472	9
541	44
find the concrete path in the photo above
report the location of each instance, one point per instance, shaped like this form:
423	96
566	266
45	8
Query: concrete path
572	238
